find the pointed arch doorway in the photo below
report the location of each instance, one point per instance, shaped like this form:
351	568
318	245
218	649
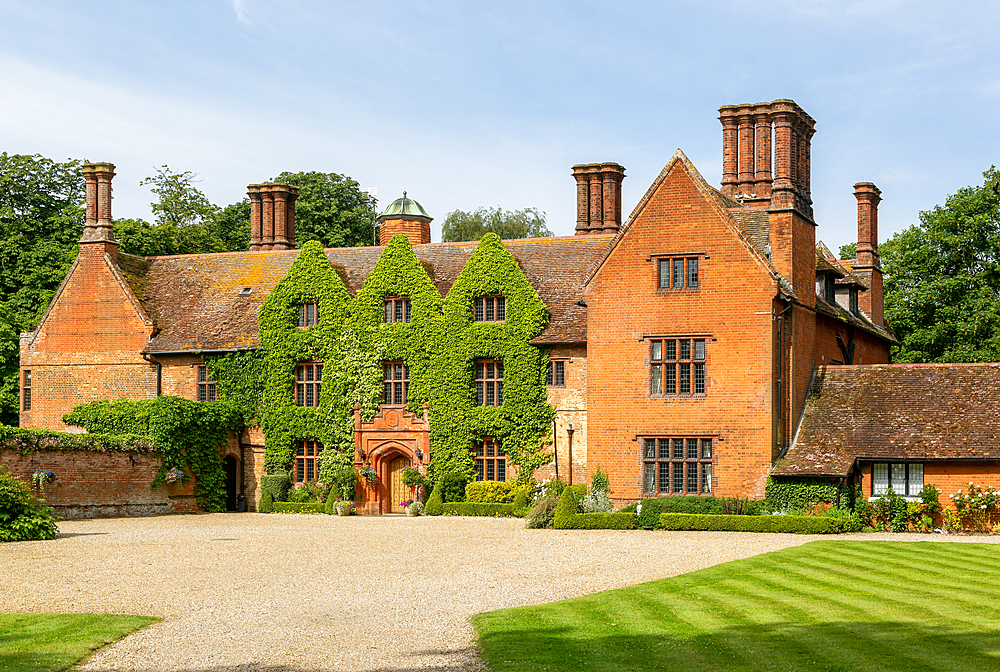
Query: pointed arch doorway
393	439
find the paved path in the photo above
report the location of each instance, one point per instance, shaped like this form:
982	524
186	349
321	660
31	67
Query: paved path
298	592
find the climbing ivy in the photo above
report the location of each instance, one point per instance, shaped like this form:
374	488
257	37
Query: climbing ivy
187	433
439	345
524	418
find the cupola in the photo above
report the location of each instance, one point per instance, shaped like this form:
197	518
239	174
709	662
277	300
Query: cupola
405	216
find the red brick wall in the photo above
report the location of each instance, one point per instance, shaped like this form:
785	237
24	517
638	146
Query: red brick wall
868	349
570	402
102	485
180	376
88	346
949	477
732	307
419	233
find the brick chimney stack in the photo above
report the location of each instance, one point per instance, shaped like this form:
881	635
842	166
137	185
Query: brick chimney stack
272	216
98	178
750	134
598	197
867	264
97	232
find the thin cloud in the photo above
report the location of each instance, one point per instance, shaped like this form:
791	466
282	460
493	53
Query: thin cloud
239	8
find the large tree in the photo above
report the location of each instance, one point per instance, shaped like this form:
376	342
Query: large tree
942	279
527	223
41	220
332	209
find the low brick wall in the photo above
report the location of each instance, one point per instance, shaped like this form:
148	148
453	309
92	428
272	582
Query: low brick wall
102	485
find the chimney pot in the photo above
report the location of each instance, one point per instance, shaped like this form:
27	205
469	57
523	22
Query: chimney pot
598	197
97	177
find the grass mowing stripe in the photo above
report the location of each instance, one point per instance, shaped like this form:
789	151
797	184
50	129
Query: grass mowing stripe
34	642
737	616
933	583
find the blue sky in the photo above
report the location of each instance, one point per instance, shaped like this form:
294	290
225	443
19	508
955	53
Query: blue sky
481	104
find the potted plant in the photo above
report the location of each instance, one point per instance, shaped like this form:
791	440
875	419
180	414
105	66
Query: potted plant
369	475
412	478
343	507
414	507
41	477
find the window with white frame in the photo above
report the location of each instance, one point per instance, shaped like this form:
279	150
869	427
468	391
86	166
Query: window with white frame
905	478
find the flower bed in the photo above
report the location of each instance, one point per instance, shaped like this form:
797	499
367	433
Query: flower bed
299	507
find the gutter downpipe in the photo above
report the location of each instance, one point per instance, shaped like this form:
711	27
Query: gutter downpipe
159	372
781	352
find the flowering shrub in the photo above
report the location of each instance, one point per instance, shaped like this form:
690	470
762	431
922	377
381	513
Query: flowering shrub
368	474
175	475
976	507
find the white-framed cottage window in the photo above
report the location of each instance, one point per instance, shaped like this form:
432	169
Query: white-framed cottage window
905	478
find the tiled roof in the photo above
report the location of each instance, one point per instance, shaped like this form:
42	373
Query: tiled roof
196	303
754	224
895	412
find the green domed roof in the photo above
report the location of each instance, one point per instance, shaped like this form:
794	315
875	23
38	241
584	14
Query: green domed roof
405	208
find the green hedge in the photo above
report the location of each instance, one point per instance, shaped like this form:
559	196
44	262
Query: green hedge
653	507
567	518
299	507
477	509
493	492
797	524
791	494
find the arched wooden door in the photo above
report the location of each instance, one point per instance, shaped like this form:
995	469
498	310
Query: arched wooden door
396	490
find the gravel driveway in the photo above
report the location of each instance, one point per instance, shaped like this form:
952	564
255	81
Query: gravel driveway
255	592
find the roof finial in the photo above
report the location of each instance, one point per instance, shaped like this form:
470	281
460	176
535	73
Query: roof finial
404	194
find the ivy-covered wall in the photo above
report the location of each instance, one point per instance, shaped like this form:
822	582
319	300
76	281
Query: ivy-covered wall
439	345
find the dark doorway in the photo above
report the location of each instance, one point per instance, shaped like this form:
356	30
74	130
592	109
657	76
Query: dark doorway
231	467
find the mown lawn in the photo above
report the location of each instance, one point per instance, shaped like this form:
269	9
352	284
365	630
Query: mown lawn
34	642
827	605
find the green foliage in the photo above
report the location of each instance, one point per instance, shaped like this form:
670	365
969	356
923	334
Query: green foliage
478	509
309	492
453	486
179	203
42	642
495	492
520	503
942	279
278	485
649	514
435	504
524	419
527	223
848	251
791	494
41	220
240	378
142	239
188	434
232	226
331	209
600	482
850	520
299	507
412	477
976	506
27	441
795	524
542	512
439	345
22	515
567	518
266	504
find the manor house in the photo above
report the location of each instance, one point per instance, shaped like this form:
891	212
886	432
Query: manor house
694	348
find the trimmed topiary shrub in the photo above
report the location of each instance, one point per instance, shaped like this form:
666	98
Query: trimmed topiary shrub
434	502
567	518
266	504
795	524
566	507
22	515
330	499
520	503
478	509
453	486
300	507
493	492
279	485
